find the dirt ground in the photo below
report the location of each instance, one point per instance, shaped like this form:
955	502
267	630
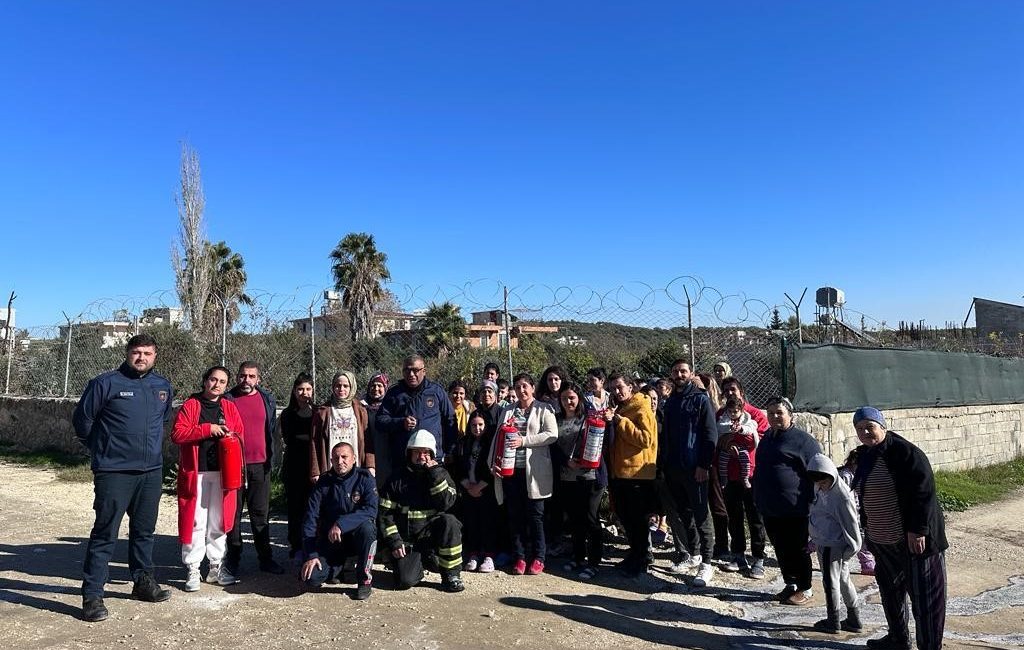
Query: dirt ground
45	523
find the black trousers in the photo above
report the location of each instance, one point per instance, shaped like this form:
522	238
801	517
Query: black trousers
634	500
479	524
691	502
440	537
360	543
255	495
789	537
739	500
923	578
525	518
295	475
582	500
136	494
719	515
681	531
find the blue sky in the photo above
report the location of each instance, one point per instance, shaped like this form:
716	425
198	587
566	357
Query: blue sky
762	146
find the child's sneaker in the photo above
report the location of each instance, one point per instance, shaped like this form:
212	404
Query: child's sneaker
519	568
487	566
746	483
536	568
471	565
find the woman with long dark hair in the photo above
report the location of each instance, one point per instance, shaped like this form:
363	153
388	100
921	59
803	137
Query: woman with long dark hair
296	425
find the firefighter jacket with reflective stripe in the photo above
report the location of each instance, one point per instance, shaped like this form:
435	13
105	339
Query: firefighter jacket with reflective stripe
411	499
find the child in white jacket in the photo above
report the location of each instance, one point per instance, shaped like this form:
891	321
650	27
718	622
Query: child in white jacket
835	530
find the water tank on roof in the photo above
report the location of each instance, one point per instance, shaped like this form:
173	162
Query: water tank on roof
830	297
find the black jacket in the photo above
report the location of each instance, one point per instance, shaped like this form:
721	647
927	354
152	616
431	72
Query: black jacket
409	501
915	488
781	486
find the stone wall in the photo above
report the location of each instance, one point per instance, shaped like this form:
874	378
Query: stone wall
958	437
954	438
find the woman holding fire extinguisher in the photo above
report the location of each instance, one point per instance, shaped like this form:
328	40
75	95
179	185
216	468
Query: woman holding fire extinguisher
523	473
634	453
580	461
208	431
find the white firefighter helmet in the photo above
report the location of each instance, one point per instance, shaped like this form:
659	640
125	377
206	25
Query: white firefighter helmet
422	439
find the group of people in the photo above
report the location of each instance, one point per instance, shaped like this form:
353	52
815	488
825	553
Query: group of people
421	477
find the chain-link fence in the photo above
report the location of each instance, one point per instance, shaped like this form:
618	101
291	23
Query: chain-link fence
636	328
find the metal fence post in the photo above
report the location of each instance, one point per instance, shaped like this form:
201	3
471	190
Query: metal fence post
784	367
689	326
67	356
508	335
312	347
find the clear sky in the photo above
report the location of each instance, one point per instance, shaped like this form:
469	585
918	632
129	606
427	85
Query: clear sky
763	146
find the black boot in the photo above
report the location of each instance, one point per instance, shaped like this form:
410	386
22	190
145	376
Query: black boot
828	625
147	589
451	581
93	610
852	622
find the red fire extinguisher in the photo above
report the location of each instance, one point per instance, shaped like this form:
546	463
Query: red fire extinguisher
504	453
230	456
588	450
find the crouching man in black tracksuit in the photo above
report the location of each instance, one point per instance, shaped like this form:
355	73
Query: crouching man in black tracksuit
340	522
414	517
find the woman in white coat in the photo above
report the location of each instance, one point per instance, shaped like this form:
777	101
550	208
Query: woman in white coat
525	491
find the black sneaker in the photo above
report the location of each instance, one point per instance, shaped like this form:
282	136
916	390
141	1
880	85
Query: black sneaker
270	566
93	610
852	622
362	592
147	589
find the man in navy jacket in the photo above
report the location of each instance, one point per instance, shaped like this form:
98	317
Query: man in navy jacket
412	404
341	522
120	418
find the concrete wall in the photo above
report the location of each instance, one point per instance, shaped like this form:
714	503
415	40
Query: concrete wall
32	423
954	438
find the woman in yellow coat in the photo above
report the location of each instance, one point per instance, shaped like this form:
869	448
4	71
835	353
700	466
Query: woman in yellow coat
632	468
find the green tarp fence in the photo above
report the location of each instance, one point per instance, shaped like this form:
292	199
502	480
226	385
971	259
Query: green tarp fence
842	378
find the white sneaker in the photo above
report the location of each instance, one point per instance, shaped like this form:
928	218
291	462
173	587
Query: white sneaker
685	564
226	578
214	575
193	580
703	578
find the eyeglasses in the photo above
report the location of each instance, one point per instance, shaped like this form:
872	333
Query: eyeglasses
412	371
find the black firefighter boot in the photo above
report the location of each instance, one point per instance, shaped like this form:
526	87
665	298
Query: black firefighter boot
451	581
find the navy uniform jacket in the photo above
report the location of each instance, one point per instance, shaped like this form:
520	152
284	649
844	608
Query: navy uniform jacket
120	418
348	501
431	407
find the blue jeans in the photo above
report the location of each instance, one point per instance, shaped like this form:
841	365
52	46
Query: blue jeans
136	494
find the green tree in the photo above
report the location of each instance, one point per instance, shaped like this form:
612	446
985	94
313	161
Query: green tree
227	289
776	322
359	269
442	328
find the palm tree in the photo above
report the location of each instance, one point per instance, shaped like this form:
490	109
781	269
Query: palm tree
227	289
359	269
442	328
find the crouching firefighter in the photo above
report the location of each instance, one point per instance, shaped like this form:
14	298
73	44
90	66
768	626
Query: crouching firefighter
414	520
341	522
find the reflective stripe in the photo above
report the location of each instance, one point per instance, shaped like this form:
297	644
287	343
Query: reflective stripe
439	488
454	550
421	514
390	530
387	503
449	564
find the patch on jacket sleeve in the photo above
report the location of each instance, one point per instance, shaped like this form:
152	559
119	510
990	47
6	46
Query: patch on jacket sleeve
162	395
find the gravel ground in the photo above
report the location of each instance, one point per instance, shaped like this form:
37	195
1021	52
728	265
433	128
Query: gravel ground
45	523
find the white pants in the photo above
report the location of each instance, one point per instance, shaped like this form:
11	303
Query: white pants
208	536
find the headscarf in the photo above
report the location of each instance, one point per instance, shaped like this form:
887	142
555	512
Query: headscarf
380	377
336	401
